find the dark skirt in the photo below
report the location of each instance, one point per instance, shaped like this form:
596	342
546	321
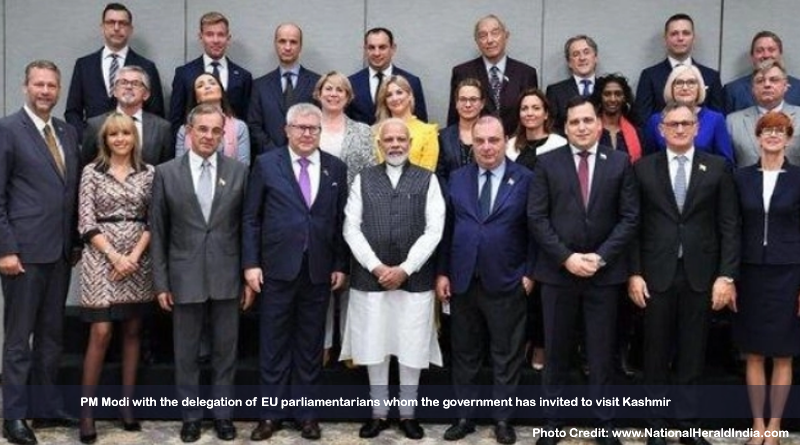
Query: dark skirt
116	312
767	322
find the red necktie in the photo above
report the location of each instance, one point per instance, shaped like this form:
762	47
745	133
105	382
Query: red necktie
583	176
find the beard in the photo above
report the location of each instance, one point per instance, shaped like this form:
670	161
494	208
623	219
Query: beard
396	160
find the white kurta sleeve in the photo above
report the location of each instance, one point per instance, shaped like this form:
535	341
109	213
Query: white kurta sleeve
426	244
355	238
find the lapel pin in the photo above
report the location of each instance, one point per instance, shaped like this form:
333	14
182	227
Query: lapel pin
510	181
221	182
702	167
603	156
335	184
325	172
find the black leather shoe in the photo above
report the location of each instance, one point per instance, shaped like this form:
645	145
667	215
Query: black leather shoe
699	440
656	441
459	429
87	433
372	428
412	429
132	426
265	429
17	431
190	431
547	440
309	430
609	440
504	433
59	418
225	429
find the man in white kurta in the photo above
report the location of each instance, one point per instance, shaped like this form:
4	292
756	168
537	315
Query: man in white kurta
394	220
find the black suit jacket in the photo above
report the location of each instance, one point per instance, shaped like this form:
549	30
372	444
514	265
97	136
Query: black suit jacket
562	225
38	207
240	85
362	108
708	227
517	78
650	92
157	146
88	96
558	94
266	117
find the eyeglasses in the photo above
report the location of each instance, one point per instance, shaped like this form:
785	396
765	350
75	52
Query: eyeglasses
129	83
774	131
114	23
313	130
677	124
468	100
688	83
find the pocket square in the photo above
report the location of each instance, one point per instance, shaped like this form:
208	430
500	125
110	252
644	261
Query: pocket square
702	167
603	156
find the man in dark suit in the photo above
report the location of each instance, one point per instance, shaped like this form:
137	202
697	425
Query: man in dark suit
687	249
679	40
502	77
379	49
278	90
195	221
581	54
582	210
39	171
485	264
766	45
294	255
131	90
237	82
91	89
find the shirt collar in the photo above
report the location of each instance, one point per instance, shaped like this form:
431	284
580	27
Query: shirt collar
578	79
386	72
295	69
223	62
497	172
196	160
762	110
576	150
671	155
137	116
673	62
37	120
313	157
501	65
123	53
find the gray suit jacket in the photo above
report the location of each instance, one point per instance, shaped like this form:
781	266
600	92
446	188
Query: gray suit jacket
192	259
157	146
742	128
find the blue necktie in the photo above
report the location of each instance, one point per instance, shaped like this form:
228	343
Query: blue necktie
485	199
585	91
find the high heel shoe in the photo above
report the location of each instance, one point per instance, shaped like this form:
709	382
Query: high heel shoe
89	437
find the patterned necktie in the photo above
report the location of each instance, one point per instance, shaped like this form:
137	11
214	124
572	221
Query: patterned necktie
215	70
204	195
496	84
304	180
52	146
586	90
112	73
288	90
583	176
379	76
485	198
680	182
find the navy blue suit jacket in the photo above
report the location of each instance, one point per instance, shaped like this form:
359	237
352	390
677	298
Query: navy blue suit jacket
277	224
517	78
499	249
562	225
739	93
362	108
558	94
240	84
782	231
650	92
266	117
38	207
88	96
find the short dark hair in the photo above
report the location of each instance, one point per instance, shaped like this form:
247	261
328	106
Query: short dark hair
379	30
766	34
117	7
577	101
672	106
677	17
42	65
627	91
589	41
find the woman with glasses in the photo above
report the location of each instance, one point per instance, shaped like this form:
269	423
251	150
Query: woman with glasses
767	319
395	98
455	141
685	85
533	136
236	140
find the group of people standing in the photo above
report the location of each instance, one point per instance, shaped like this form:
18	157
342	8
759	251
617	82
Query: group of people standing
530	213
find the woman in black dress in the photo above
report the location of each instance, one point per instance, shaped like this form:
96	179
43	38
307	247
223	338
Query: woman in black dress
767	323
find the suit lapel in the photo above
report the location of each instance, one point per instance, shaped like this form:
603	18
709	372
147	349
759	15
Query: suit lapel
664	181
598	176
473	191
750	120
148	134
38	141
187	184
696	181
325	181
287	170
571	172
221	184
506	187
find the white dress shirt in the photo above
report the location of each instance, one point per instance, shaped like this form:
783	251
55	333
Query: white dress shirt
373	79
313	170
497	178
195	165
105	59
591	159
222	68
672	157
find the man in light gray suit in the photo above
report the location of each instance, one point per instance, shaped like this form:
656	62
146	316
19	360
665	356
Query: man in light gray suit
132	89
769	88
195	221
